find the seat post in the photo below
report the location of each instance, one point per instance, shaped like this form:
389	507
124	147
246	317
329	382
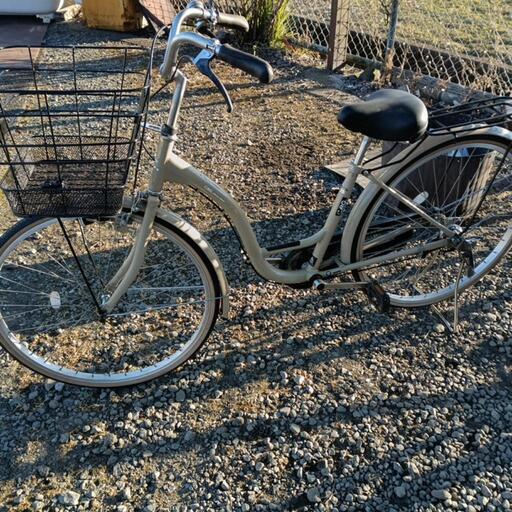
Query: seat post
354	169
361	152
344	193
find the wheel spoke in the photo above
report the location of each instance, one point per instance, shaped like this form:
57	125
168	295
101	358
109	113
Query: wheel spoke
158	323
451	182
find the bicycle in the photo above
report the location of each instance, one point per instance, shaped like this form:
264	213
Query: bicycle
99	294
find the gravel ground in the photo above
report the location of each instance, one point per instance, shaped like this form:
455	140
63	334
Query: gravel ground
300	401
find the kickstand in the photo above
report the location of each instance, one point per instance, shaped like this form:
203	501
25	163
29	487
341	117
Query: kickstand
452	327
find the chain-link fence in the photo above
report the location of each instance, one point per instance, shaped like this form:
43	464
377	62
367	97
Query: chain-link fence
309	23
457	41
467	43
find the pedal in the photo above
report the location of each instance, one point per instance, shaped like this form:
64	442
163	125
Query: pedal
378	297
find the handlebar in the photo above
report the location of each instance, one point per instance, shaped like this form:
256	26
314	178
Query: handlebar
251	64
195	10
233	20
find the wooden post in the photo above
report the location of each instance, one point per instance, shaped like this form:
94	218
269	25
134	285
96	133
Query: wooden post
390	44
338	34
121	15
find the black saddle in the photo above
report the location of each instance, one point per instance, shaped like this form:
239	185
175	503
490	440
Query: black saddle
387	114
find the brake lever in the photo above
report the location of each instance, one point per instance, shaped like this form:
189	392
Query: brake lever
202	62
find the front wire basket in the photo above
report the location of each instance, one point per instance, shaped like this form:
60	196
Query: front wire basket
70	127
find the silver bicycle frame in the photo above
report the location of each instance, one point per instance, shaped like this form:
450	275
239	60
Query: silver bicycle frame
171	168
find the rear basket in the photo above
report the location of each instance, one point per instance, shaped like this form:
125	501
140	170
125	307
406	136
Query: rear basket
439	175
70	128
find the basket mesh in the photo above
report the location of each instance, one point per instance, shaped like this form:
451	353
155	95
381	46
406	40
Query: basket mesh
69	129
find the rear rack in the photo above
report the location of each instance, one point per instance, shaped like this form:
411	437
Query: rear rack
454	119
465	117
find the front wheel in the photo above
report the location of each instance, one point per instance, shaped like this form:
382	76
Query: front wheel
465	184
49	319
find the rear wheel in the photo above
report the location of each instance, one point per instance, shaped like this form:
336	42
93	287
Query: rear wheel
449	183
49	320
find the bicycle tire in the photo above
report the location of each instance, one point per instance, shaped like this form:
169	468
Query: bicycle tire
378	198
15	348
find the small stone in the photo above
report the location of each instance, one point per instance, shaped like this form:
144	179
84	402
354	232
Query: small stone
310	477
43	471
189	436
59	386
69	498
441	494
413	469
180	396
295	428
485	491
224	485
53	404
400	491
440	328
299	380
313	495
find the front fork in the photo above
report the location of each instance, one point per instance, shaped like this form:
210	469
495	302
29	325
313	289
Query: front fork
128	271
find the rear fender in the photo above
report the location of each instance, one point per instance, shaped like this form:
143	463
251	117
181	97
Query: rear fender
396	165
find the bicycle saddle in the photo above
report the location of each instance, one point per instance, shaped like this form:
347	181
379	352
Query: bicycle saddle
387	114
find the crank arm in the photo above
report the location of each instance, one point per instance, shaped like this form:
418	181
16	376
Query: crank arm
321	285
377	295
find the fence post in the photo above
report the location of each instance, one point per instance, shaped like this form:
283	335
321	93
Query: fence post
390	44
338	34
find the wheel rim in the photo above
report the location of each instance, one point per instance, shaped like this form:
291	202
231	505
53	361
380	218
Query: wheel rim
466	166
161	346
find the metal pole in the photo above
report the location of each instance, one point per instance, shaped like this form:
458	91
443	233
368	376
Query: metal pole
390	44
338	34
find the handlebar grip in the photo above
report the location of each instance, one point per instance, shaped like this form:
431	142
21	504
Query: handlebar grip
233	20
248	63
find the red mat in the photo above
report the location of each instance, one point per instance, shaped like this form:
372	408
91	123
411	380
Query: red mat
19	31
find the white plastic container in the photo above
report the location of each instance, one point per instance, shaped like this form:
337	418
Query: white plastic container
41	8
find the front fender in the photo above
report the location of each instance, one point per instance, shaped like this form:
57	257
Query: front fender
181	224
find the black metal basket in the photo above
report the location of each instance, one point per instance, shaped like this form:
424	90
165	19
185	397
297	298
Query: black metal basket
70	127
488	112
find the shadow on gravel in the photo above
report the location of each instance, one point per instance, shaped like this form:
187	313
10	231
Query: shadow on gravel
75	413
376	374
